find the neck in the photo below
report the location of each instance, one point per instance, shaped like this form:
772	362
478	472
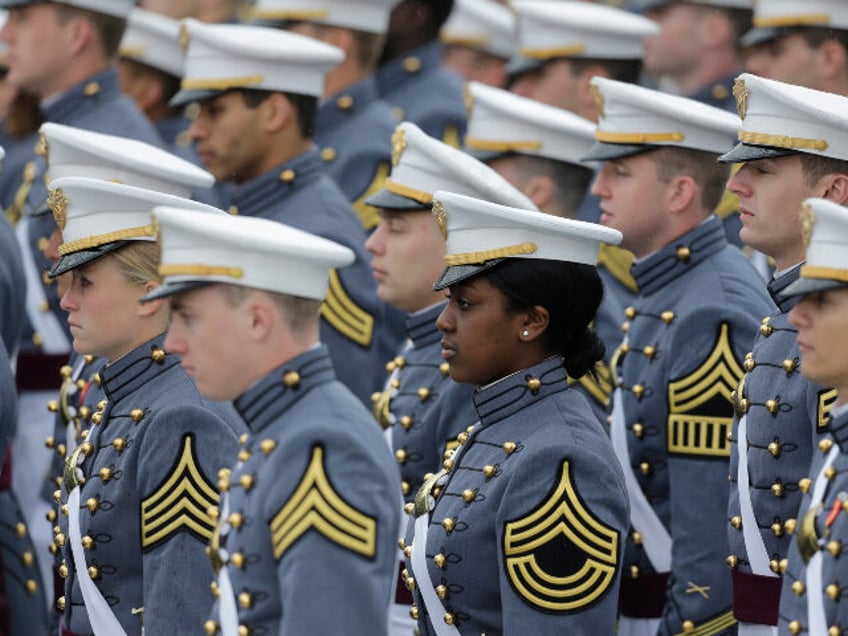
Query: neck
712	68
72	76
344	76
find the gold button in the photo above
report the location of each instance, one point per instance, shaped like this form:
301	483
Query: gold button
777	529
634	571
27	558
91	89
639	430
412	64
462	437
630	313
766	330
772	406
216	591
53	407
328	154
683	253
736	522
409	508
489	471
345	102
287	176
92	504
645	468
237	559
63	571
799	588
406	422
44	307
43	242
243	455
267	445
236	519
649	352
825	445
233	210
750	364
636	537
243	439
60	540
84	412
106	474
667	317
774	448
448	524
210	627
405	487
638	391
440	560
423	394
119	444
832	591
789	365
245	600
246	481
243	630
448	464
291	379
442	591
401	456
688	627
509	447
834	630
804	485
783	566
413	613
87	542
213	512
51	515
777	490
468	495
732	561
395	383
830	473
835	548
60	603
158	356
449	618
93	571
49	442
136	415
444	368
87	449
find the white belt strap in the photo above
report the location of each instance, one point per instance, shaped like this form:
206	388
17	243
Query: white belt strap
655	538
103	620
227	610
70	429
754	545
44	323
815	604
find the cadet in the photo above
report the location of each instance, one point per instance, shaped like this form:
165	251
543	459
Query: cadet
479	39
139	490
498	543
353	127
812	601
780	414
307	533
685	338
411	77
538	149
807	48
257	89
408	249
696	53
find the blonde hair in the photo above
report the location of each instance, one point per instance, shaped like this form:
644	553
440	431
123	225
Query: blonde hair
139	261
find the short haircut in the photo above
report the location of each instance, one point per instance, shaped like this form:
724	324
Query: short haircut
301	313
628	71
710	175
740	20
304	106
816	36
109	28
571	181
814	167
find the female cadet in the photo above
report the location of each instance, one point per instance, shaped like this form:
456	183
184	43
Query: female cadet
813	598
522	529
139	497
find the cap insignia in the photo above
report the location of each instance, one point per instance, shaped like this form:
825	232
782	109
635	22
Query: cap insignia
441	216
58	204
398	145
740	92
600	102
808	220
185	37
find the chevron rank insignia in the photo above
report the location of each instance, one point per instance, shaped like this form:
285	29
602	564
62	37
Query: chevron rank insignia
180	503
701	404
344	315
827	398
315	505
718	625
560	557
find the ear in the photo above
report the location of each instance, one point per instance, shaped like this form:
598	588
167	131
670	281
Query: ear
830	59
79	31
260	317
836	188
680	193
535	323
540	190
276	112
145	310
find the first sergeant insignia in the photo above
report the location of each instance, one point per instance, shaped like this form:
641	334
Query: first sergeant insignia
560	557
181	502
740	92
315	505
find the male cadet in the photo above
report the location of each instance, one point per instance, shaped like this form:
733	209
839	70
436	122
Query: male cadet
307	532
408	256
411	77
353	127
479	38
696	53
806	47
257	89
681	358
538	148
790	149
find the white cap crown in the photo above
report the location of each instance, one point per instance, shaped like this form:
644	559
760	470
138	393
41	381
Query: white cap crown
371	16
483	25
153	39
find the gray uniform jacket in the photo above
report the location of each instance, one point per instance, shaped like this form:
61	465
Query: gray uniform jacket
310	526
353	130
150	463
526	533
419	89
686	338
12	288
822	530
785	415
299	194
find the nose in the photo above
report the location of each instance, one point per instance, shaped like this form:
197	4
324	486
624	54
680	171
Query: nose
374	243
68	301
174	342
599	188
739	183
445	320
799	315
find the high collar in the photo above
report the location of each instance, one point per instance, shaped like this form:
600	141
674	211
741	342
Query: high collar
254	197
412	63
499	400
777	285
344	104
421	326
101	87
274	394
131	372
679	256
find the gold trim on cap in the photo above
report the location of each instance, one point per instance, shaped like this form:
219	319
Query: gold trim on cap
410	193
222	83
87	242
198	269
132	51
557	51
637	138
827	273
289	14
477	258
781	141
792	20
464	40
501	146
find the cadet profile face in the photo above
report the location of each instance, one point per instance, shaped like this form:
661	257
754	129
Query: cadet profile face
229	138
677	48
407	251
770	193
38	48
553	83
633	201
103	308
786	59
206	332
480	339
820	319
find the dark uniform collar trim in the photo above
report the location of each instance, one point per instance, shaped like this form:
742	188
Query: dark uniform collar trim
265	401
777	285
509	395
128	374
838	428
256	197
68	105
331	111
392	72
421	326
718	93
659	269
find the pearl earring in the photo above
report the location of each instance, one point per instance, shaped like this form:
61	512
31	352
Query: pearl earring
525	333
